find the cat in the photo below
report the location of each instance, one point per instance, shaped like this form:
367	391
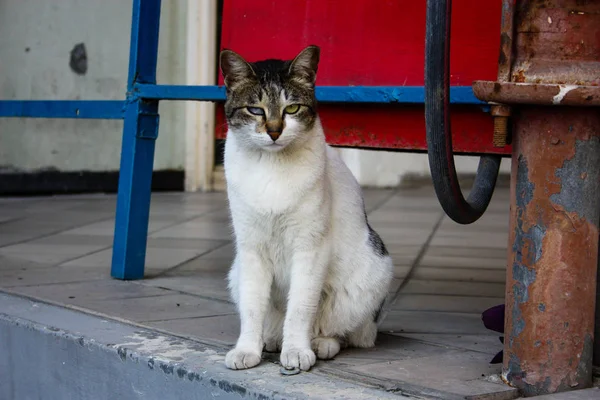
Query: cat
310	275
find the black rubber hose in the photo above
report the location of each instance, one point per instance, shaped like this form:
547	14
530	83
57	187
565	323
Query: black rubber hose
437	121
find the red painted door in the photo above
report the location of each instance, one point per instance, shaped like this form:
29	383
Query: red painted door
373	43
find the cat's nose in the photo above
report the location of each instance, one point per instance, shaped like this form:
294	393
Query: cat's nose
274	135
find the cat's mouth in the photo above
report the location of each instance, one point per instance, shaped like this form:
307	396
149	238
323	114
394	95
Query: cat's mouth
274	147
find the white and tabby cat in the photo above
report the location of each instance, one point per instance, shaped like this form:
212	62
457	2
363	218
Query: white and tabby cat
310	275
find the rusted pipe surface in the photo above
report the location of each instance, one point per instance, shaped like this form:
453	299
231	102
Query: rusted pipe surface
501	112
553	250
556	41
596	360
506	41
541	94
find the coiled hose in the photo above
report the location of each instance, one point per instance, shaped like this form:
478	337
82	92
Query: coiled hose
437	121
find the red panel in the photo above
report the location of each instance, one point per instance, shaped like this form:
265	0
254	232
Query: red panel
371	43
398	128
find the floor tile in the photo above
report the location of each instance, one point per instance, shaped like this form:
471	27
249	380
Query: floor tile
51	254
210	285
196	229
487	221
459	274
375	198
80	292
200	245
399	232
464	262
456	372
224	252
489	344
476	236
404	239
157	308
412	203
34	227
8	238
70	217
107	227
465	251
474	289
157	259
224	328
454	241
202	265
74	240
395	218
389	348
48	259
5	217
445	303
12	262
50	275
433	322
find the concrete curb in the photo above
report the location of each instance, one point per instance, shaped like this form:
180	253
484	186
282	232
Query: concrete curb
48	352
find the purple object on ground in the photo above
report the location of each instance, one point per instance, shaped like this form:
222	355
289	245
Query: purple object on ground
493	319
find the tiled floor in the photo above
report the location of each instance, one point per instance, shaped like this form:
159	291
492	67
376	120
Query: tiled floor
58	249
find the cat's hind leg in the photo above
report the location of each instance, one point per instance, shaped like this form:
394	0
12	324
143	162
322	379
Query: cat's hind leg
364	335
325	347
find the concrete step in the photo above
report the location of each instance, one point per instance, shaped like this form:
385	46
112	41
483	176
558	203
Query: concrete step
49	352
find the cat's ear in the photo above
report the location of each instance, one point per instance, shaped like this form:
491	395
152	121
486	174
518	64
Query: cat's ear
303	68
235	69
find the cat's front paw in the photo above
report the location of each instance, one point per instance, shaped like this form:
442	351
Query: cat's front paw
302	358
241	359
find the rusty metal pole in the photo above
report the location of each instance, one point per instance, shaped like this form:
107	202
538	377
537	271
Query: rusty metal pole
555	198
553	250
596	360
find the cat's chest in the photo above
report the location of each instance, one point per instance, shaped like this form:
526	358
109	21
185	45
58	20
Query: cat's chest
268	187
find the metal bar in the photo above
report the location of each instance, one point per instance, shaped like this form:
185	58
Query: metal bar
140	131
538	93
325	94
133	201
82	109
553	250
143	50
114	109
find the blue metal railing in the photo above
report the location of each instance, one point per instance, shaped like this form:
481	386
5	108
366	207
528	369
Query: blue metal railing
140	114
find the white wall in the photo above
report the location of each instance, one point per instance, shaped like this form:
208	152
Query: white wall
50	29
387	169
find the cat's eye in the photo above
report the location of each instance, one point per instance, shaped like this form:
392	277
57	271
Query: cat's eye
293	109
255	110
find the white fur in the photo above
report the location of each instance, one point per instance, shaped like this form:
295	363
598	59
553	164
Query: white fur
305	278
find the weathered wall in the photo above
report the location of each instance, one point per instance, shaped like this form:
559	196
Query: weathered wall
36	38
387	169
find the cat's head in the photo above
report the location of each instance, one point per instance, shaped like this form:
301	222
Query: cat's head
270	104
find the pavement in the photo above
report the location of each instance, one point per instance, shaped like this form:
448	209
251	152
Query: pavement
57	251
